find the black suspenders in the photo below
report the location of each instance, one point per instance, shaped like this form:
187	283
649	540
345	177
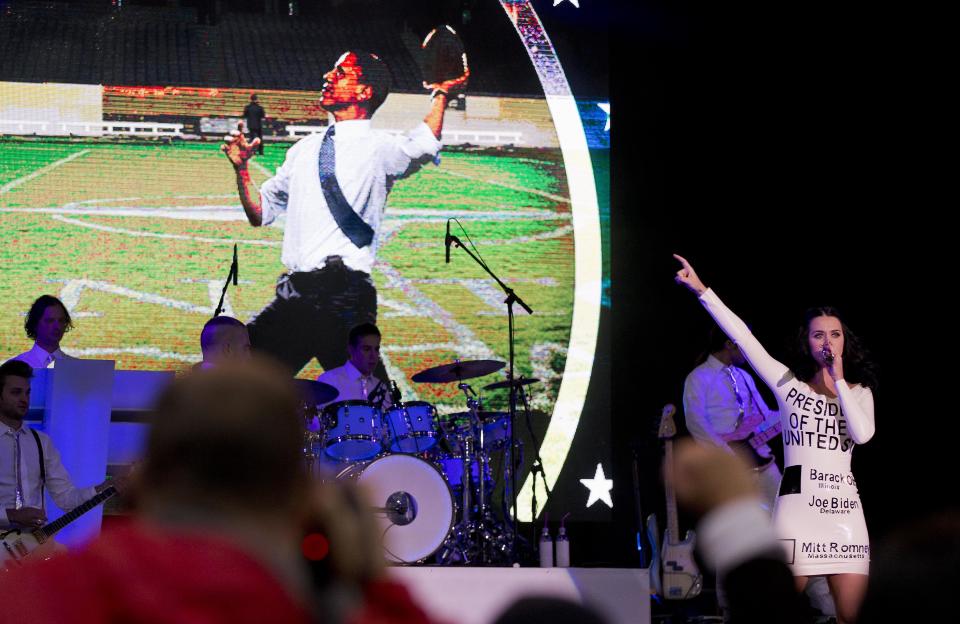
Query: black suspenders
43	463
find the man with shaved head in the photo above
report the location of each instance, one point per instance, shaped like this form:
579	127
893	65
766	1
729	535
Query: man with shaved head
224	339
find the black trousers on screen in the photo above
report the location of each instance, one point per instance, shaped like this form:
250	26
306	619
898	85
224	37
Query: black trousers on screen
258	134
312	314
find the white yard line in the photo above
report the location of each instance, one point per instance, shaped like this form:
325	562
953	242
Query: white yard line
512	187
182	237
262	169
43	170
235	213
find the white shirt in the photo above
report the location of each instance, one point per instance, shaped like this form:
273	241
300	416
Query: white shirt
59	484
353	386
38	357
368	162
710	404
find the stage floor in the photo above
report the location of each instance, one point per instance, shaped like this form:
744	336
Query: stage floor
478	595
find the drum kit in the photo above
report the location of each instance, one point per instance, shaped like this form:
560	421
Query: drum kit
431	476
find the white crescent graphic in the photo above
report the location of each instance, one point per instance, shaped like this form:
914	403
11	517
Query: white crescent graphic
587	248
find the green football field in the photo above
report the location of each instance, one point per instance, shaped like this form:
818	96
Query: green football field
137	238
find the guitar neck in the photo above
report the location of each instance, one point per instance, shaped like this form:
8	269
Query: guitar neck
78	511
673	526
765	436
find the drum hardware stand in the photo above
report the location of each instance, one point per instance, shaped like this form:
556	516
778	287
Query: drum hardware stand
310	438
511	299
386	423
473	405
481	539
459	542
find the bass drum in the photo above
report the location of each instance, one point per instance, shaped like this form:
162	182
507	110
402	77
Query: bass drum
386	480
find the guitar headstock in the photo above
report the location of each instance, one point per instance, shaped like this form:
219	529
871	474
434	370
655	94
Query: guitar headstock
668	428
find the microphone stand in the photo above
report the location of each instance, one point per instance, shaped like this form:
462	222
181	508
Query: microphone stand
511	299
537	466
232	275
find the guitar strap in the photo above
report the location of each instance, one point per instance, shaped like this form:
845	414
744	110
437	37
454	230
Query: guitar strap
43	467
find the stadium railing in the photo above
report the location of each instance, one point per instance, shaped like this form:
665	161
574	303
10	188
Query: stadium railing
450	137
87	128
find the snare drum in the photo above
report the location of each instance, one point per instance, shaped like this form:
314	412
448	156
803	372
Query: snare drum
384	479
412	427
353	430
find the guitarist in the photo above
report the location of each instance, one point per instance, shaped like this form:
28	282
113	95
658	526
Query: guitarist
29	462
721	404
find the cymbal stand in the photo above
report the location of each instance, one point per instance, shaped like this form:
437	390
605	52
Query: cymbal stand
310	440
459	547
479	537
469	450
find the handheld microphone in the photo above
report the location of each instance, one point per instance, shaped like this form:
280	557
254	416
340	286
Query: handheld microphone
447	241
828	357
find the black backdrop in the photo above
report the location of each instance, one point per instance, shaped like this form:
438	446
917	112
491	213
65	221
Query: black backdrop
790	153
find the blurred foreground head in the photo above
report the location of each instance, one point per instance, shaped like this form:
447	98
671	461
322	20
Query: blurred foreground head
226	439
914	572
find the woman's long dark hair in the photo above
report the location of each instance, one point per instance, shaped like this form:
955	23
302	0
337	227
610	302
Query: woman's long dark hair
858	368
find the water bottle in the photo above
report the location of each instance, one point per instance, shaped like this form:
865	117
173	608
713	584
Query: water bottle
546	548
563	545
563	549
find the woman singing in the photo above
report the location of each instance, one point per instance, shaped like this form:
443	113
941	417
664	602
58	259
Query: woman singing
826	408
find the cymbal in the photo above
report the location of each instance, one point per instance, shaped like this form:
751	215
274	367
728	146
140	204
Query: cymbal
522	381
316	392
458	371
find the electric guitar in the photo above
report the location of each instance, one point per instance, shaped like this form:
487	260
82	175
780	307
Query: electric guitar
749	443
681	577
19	544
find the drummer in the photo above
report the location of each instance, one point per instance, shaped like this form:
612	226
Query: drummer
355	380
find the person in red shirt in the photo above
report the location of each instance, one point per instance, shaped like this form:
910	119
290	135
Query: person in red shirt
222	507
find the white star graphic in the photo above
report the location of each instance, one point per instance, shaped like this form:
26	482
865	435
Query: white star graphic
599	487
575	3
605	107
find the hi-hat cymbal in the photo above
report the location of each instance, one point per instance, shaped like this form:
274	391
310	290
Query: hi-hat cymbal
458	371
522	381
316	392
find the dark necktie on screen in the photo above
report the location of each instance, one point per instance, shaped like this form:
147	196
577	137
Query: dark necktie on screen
350	223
